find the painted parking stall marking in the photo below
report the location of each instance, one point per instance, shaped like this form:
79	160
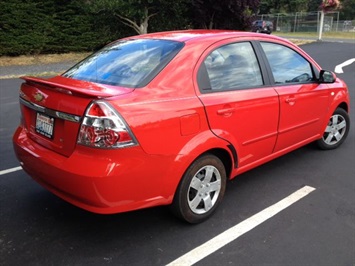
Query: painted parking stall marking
238	230
7	171
339	68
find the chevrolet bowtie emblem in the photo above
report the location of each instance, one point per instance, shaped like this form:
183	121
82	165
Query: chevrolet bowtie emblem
38	97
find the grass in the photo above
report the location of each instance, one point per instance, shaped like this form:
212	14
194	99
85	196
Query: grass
300	42
24	60
335	35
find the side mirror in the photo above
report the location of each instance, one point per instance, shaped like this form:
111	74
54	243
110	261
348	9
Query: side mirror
326	76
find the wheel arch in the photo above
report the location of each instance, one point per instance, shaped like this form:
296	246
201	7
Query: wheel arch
212	145
336	134
340	99
224	156
344	106
182	204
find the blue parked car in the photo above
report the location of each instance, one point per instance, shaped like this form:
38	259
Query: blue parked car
262	26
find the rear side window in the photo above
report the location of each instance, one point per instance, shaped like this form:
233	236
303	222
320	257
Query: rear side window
287	66
230	67
129	63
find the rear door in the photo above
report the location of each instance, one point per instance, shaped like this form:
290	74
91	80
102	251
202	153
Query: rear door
239	107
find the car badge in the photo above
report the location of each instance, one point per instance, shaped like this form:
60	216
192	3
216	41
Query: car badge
38	97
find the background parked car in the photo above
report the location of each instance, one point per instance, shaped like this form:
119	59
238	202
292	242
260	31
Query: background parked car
262	26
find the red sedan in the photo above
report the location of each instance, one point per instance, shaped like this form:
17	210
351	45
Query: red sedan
167	118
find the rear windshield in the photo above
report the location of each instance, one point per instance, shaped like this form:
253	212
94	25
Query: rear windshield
128	63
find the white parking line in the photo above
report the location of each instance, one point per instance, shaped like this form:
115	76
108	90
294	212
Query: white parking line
339	68
4	172
238	230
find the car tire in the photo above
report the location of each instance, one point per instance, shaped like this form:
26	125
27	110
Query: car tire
336	131
201	189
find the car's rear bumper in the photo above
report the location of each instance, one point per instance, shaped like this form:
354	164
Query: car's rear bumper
100	181
262	30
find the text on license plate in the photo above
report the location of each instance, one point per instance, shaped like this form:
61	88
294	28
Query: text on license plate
44	125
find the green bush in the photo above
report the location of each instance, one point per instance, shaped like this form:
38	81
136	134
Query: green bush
40	27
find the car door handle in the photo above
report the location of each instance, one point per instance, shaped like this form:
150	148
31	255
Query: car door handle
291	100
225	111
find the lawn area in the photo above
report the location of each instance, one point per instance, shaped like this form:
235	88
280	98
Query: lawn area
335	35
24	60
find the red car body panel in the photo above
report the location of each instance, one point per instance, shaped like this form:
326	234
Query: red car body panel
299	120
173	122
233	111
110	181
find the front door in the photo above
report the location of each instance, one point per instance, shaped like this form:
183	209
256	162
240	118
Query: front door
303	101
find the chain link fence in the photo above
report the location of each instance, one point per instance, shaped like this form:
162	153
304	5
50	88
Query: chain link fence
308	22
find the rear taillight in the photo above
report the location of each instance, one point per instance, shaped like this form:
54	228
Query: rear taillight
103	127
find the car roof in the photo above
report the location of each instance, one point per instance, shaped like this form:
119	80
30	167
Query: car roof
189	35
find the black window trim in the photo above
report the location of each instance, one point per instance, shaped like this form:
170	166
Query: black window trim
265	66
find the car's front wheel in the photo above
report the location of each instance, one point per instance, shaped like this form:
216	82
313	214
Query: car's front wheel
201	189
336	131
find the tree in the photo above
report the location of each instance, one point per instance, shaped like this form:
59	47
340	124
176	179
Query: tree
270	6
137	14
314	5
283	6
296	5
22	25
227	14
347	11
50	26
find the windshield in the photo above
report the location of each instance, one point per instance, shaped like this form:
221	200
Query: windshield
128	63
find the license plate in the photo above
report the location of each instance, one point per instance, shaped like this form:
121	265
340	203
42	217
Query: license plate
44	125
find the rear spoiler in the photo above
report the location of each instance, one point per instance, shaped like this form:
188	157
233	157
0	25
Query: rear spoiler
74	86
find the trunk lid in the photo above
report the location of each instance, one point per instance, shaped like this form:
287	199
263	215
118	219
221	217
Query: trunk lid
52	109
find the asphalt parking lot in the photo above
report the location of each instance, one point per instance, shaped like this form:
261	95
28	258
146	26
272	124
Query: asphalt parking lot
37	228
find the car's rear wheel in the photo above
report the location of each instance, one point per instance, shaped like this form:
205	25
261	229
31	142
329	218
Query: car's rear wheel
201	189
336	131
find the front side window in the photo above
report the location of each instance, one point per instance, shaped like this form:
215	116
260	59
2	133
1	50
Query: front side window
232	66
128	63
287	66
